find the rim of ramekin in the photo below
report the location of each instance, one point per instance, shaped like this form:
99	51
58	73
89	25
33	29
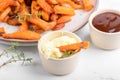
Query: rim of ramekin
61	59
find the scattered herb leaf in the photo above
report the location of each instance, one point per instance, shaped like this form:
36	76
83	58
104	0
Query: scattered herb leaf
24	17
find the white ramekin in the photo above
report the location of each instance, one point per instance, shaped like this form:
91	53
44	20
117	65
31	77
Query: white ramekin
59	66
102	39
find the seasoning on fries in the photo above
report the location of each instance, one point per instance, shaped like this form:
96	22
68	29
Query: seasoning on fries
36	16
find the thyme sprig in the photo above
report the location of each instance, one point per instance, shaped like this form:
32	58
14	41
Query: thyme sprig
26	16
69	53
12	48
18	56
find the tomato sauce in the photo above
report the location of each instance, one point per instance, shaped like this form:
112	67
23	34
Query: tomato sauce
107	22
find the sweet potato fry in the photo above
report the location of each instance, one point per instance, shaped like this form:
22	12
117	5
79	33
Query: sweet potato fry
20	1
34	7
77	2
54	17
41	23
23	13
64	19
2	31
37	29
73	5
6	19
59	26
45	16
52	24
60	1
23	10
26	35
74	46
64	10
16	5
13	21
52	1
87	5
45	6
24	26
4	4
5	13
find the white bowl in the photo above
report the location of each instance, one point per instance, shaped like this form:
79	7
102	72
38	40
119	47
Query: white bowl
102	39
61	66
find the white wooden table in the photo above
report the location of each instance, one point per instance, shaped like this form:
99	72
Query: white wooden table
95	64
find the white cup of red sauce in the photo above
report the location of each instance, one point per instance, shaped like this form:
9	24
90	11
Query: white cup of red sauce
105	29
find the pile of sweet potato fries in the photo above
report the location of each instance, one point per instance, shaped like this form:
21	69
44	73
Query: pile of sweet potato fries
36	16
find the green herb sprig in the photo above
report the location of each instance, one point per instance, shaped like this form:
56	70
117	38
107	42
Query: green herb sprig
12	48
18	56
67	53
26	16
